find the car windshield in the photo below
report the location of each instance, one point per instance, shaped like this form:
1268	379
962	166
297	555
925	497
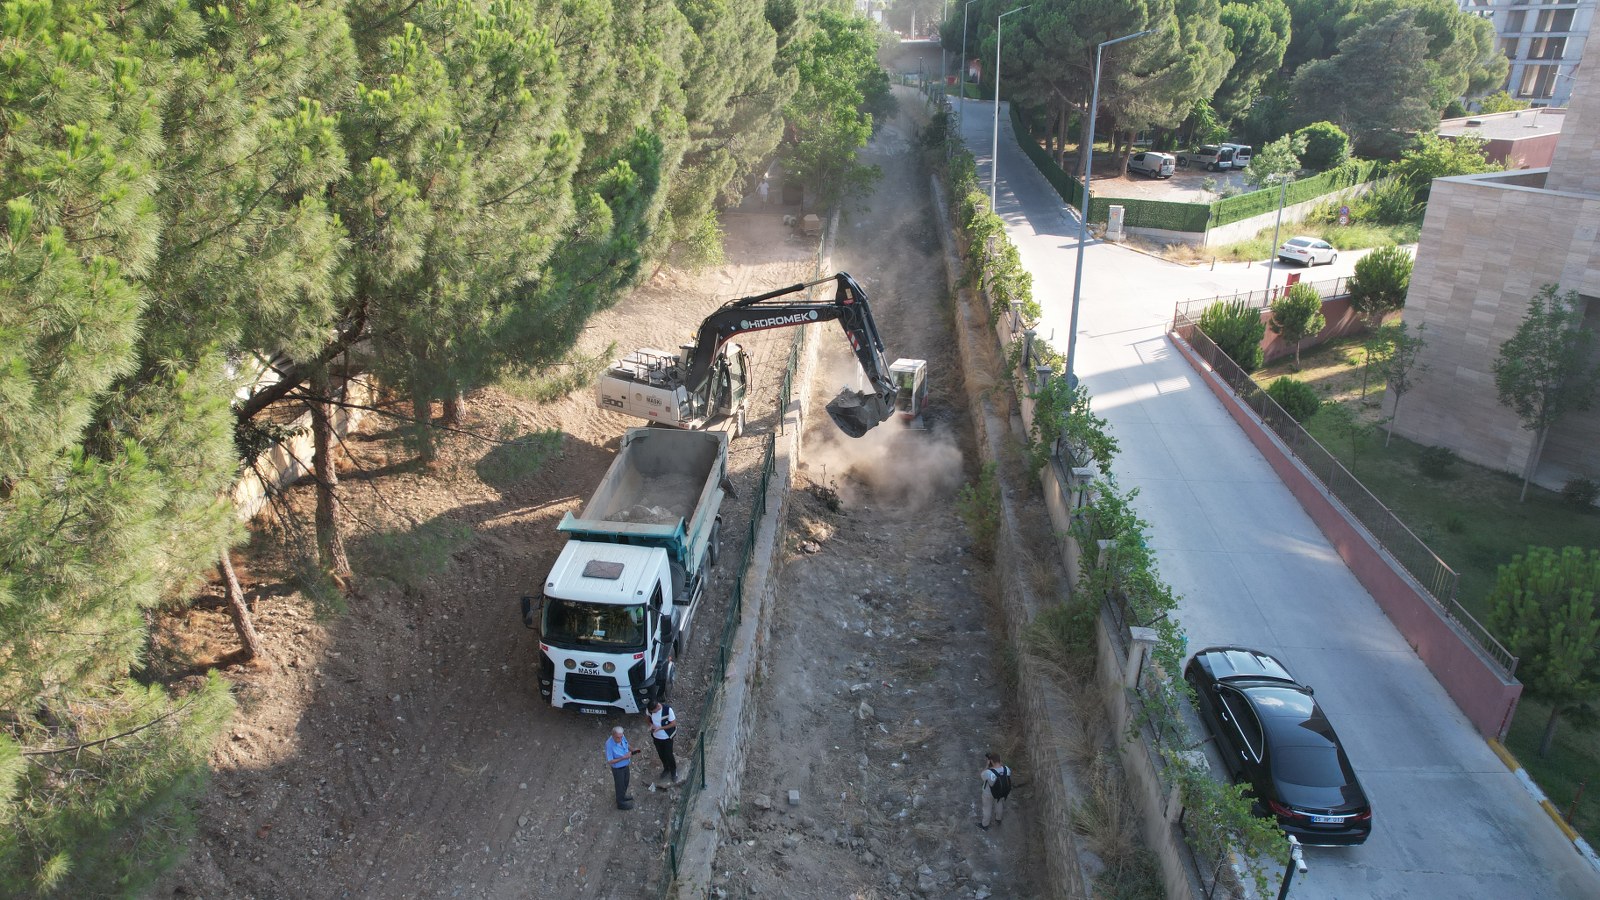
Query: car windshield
1310	766
600	626
1298	242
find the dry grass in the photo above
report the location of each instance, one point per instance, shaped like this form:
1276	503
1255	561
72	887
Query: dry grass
1105	815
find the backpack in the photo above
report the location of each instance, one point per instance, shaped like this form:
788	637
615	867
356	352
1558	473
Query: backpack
1000	788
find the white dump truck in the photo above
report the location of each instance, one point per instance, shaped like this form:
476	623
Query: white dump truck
619	604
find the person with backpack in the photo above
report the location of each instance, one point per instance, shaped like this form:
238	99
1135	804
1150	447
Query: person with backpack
996	788
663	724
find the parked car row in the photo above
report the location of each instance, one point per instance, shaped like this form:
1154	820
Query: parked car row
1212	157
1216	157
1272	736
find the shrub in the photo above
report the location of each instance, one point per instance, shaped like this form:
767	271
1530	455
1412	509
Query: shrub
1237	330
1297	398
1297	315
1437	462
1380	282
978	504
1392	201
1327	146
1581	492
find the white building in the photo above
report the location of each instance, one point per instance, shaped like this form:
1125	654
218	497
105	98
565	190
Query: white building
1543	40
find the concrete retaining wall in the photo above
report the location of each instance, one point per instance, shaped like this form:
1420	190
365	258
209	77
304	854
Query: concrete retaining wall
1486	697
288	461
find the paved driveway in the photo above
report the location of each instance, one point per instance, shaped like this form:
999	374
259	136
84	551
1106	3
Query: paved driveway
1252	569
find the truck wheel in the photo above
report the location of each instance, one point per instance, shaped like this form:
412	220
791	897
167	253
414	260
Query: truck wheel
714	548
665	688
1183	163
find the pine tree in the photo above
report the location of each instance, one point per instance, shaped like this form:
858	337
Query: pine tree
1297	315
109	449
1543	609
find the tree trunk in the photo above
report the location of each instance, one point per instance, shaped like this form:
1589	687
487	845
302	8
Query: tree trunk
1392	419
1533	462
330	542
249	641
1549	738
454	408
422	414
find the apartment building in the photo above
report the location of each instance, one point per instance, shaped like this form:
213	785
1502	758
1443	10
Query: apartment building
1544	41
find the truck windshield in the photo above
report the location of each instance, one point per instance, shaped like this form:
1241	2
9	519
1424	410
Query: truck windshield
598	626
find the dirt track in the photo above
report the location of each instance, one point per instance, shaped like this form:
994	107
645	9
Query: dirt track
883	688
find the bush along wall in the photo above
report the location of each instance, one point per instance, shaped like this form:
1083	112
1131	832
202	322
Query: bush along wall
992	263
1219	820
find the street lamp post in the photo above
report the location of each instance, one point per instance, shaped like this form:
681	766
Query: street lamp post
944	55
1083	209
961	77
994	151
1283	190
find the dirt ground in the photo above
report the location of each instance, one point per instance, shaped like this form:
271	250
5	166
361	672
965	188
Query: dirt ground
883	688
1187	185
398	747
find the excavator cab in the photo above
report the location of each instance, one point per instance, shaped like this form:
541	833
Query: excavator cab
911	378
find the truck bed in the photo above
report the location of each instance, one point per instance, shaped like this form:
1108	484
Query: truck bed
658	477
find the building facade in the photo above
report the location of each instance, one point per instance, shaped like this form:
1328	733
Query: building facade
1489	243
1544	41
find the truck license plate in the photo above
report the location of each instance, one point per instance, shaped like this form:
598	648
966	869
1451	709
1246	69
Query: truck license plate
591	711
1327	820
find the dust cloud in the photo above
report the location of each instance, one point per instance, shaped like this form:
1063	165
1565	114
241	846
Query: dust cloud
893	465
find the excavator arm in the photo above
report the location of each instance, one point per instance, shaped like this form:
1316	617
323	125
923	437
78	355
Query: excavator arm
855	412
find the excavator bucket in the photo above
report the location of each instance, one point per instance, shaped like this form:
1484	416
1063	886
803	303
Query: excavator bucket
858	412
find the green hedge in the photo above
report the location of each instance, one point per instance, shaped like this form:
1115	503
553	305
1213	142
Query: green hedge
1070	189
1190	217
1243	206
1165	214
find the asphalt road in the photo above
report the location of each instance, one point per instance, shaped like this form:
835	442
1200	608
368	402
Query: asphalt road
1450	820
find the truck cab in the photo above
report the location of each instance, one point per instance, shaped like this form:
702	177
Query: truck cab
607	628
619	604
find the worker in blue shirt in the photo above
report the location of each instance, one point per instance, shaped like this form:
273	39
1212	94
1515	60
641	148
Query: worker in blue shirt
619	757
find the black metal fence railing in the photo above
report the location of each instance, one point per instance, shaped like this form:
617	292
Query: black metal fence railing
1438	580
1328	289
696	781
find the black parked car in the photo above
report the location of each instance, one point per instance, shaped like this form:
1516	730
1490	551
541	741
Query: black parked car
1272	735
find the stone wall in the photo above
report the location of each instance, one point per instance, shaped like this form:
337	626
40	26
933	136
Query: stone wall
1489	243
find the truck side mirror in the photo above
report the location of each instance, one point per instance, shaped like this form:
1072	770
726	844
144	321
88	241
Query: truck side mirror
530	611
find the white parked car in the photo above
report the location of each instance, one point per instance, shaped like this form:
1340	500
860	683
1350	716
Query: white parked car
1307	251
1156	165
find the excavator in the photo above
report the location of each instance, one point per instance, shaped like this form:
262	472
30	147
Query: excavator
706	383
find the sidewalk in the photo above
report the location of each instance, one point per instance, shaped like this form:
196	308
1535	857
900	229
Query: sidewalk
1253	569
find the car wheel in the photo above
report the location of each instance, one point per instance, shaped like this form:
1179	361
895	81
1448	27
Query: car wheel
1183	164
1333	259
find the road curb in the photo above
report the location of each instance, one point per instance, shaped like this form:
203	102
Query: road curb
1578	843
